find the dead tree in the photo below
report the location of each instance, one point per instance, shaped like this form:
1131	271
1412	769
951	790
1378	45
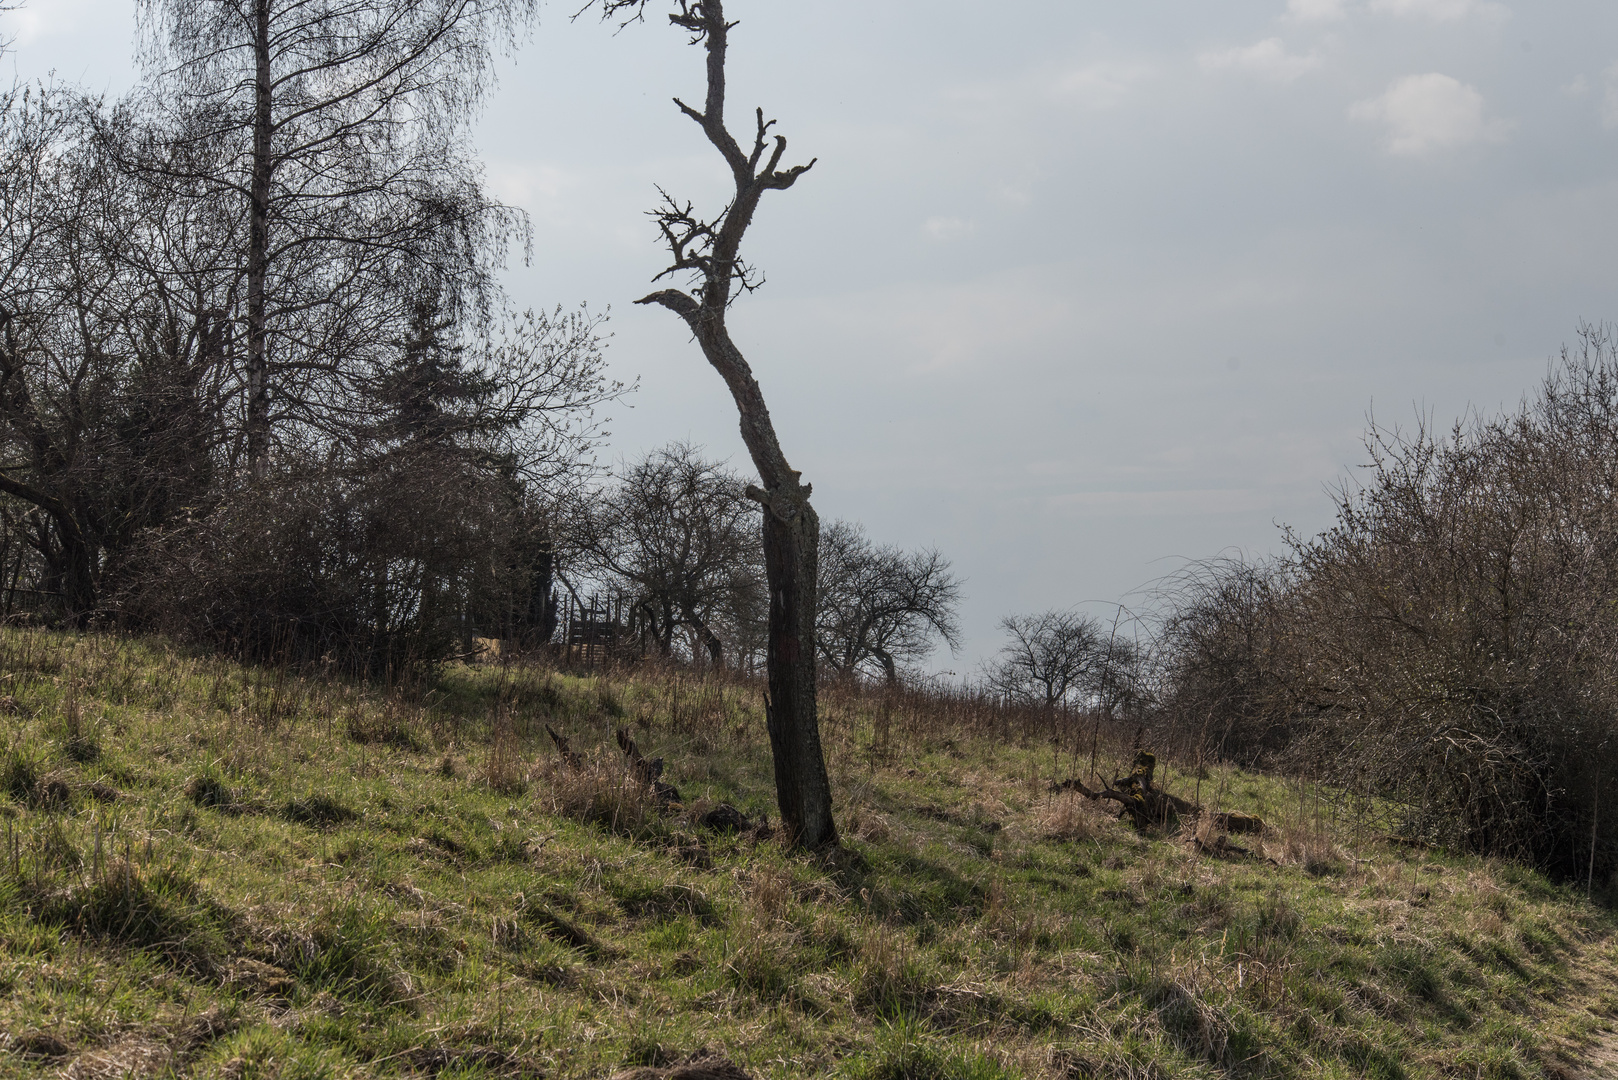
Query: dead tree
708	250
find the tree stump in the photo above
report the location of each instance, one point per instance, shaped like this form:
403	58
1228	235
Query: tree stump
1146	806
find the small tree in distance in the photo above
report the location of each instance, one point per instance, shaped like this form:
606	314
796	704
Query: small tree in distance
678	535
1066	658
881	606
1048	658
708	250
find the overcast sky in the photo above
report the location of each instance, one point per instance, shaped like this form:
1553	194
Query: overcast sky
1076	291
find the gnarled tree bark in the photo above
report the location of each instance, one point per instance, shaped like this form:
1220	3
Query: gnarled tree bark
709	250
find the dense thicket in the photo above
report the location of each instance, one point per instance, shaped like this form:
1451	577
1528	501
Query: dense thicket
1451	643
257	383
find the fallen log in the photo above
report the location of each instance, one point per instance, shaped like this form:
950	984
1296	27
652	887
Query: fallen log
570	757
1149	807
647	770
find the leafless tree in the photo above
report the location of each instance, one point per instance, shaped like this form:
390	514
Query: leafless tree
708	251
337	131
424	511
678	535
881	606
109	413
1049	658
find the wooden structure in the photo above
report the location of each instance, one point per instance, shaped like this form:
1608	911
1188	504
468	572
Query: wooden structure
591	630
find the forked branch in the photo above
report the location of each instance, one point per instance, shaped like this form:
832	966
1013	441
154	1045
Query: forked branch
707	248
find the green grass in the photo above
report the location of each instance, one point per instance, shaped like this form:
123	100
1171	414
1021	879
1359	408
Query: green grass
256	874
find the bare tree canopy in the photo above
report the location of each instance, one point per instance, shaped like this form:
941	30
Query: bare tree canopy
1048	657
881	607
109	391
678	536
1063	657
707	252
525	398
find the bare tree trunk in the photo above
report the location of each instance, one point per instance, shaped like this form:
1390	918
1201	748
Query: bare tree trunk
791	546
665	634
890	669
79	585
258	247
710	640
802	789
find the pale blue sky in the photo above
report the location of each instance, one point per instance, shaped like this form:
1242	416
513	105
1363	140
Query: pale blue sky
1076	290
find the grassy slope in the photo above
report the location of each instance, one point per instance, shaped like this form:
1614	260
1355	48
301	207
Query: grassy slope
216	871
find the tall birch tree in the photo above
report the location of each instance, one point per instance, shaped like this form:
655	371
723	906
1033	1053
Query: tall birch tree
337	127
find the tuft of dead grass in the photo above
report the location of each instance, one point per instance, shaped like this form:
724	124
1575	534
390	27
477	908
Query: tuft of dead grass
597	792
866	825
1070	816
769	892
1315	852
504	769
128	1059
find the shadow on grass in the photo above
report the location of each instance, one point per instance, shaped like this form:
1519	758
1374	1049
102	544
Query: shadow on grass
907	886
160	910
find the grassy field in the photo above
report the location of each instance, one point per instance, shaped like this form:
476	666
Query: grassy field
218	871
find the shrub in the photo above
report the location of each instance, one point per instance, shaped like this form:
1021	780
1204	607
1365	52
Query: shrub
372	567
1447	646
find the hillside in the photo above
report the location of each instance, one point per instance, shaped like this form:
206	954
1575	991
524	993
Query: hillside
219	871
